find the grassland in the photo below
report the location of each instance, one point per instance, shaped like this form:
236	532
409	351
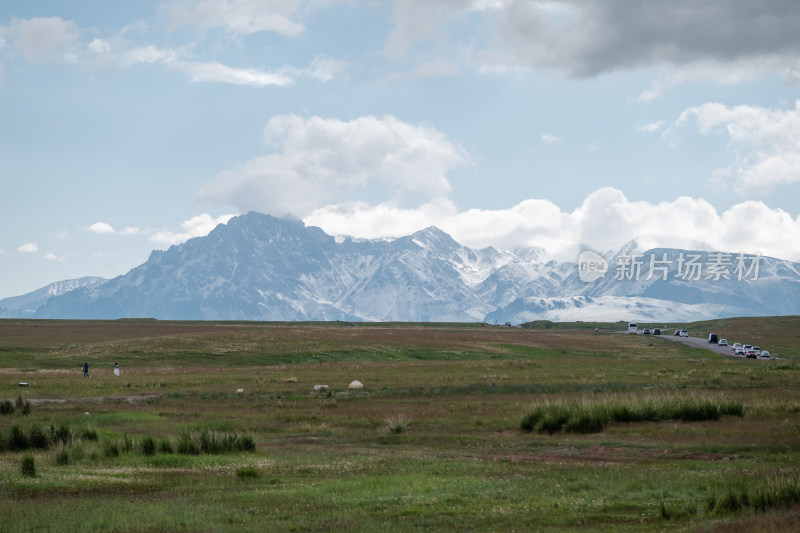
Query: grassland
435	441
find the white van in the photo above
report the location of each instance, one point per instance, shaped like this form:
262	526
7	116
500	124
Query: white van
633	327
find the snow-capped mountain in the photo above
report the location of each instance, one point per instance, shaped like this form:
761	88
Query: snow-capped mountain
27	304
257	267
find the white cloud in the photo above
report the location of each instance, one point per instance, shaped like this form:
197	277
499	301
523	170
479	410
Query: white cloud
321	68
43	39
99	46
326	161
28	248
101	227
240	17
216	72
148	54
766	143
130	230
53	257
198	226
550	138
651	127
605	220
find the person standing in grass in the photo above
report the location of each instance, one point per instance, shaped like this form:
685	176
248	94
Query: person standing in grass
116	368
86	370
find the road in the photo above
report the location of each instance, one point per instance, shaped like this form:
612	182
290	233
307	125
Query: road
701	342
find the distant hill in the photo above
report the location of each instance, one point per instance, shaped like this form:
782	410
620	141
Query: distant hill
25	306
257	267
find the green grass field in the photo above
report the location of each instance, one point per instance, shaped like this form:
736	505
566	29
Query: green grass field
459	427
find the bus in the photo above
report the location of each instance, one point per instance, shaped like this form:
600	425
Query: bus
633	327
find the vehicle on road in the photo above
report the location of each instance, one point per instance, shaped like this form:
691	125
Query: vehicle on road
656	331
646	331
736	345
684	333
738	351
713	337
677	333
751	354
764	355
723	342
633	327
747	347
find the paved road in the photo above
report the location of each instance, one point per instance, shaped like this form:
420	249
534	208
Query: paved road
702	342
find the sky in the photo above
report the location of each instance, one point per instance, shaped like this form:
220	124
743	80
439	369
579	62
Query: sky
560	124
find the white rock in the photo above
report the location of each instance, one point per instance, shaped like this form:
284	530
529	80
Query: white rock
356	385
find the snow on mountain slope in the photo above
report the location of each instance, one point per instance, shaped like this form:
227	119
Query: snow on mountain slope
257	267
27	304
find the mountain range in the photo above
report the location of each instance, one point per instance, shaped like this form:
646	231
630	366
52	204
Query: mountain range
258	267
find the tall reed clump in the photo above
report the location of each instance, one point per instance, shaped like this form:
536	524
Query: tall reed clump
212	442
28	466
593	416
397	423
762	496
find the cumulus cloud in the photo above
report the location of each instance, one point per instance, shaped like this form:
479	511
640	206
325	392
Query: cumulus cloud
239	17
319	162
101	227
43	39
605	220
588	38
53	257
198	226
28	248
766	143
99	46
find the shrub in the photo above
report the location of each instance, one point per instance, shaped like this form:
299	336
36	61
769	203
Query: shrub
62	456
164	446
89	434
187	445
147	446
63	434
6	407
28	466
17	440
247	443
111	448
37	437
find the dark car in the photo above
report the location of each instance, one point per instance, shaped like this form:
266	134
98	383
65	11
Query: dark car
713	337
656	331
646	331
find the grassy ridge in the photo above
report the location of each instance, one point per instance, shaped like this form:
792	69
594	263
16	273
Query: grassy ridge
433	442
